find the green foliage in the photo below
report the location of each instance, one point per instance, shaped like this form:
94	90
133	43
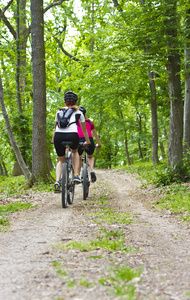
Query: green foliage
15	206
103	53
175	194
10	186
56	264
165	175
85	283
110	216
123	281
177	200
3	221
9	208
113	241
61	272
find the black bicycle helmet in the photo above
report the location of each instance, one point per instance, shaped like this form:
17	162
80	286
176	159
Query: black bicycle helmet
70	96
82	109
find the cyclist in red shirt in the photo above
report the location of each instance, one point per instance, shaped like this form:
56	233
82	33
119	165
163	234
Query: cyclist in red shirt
91	130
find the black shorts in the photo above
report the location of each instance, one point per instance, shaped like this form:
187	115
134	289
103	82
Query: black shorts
60	137
91	147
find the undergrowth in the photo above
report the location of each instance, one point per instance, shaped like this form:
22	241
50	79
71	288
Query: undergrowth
172	185
10	186
6	210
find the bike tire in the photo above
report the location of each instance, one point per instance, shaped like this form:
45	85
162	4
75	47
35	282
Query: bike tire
85	183
64	185
71	185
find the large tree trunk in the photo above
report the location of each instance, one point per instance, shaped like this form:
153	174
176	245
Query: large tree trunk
174	84
39	148
154	118
11	136
186	134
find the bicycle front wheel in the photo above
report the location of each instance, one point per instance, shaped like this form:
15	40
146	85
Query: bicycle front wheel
71	185
64	185
85	183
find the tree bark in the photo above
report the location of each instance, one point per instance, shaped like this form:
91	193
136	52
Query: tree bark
39	148
153	118
11	136
186	133
176	105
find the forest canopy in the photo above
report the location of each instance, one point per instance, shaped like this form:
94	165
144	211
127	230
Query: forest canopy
128	61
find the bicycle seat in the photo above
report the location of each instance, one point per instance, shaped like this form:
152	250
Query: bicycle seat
67	143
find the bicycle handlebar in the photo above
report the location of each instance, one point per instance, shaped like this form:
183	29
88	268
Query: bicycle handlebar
83	147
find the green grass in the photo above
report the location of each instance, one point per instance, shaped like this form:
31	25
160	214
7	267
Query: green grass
175	195
14	206
123	280
56	264
3	222
111	241
10	186
145	170
108	215
176	200
5	210
84	282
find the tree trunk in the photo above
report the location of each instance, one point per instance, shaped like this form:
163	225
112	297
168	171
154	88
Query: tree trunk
162	150
186	134
153	118
139	140
11	136
174	84
39	148
126	143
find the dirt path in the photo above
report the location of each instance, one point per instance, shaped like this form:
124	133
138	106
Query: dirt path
29	248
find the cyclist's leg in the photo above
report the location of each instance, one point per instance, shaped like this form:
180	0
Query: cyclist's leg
91	164
80	163
75	161
90	157
60	150
90	152
59	167
80	152
90	161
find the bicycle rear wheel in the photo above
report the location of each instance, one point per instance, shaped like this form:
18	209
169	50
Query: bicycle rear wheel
71	185
85	183
64	185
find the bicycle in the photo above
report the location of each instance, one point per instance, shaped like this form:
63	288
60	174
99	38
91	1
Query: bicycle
67	180
85	172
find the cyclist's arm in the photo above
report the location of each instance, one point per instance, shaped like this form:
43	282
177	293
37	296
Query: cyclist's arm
96	137
52	141
83	126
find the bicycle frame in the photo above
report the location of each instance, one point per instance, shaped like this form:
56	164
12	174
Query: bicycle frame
85	173
68	186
